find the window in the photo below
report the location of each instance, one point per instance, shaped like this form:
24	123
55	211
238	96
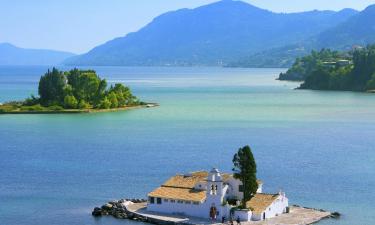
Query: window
179	201
187	202
269	209
240	188
152	200
216	187
165	200
196	203
212	187
158	200
173	201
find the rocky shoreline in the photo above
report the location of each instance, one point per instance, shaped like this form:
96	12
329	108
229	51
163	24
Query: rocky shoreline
118	209
124	209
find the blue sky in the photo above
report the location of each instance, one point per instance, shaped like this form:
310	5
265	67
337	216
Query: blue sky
79	25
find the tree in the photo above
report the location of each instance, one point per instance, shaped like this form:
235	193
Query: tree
70	102
52	87
82	89
113	99
105	103
371	83
244	168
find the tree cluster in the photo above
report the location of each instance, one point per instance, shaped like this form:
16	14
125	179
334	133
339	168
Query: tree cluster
303	67
357	76
80	89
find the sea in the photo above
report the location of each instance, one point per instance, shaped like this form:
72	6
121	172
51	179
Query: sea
317	146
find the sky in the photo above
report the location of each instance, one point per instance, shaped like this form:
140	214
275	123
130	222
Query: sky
79	25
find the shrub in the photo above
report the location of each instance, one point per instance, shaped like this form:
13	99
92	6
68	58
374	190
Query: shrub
70	102
83	105
37	107
105	103
55	108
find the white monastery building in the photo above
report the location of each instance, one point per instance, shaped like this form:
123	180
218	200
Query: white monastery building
214	195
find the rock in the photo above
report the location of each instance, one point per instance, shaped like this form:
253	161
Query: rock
335	215
118	215
107	206
97	212
130	215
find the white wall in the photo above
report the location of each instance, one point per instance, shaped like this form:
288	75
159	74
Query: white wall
245	215
278	207
202	210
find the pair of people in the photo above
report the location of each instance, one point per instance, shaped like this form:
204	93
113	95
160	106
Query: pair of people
231	220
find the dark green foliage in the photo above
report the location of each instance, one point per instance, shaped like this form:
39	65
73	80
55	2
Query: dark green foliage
358	76
31	101
245	169
80	89
371	83
51	87
304	66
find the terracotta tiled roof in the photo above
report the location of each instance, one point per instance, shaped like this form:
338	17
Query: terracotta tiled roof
186	194
181	187
182	181
260	202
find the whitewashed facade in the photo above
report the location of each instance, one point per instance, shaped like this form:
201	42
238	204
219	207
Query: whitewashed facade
204	194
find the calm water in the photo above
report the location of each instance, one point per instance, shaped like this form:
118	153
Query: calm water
317	146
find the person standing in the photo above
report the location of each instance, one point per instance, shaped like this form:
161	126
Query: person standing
238	220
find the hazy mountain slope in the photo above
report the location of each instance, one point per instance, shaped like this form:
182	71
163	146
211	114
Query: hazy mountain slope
12	55
357	30
210	35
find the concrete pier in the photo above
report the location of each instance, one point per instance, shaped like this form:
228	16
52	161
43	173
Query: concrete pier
297	216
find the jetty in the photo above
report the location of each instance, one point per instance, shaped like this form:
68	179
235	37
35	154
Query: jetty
136	209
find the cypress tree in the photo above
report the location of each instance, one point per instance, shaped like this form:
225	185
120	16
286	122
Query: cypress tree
244	168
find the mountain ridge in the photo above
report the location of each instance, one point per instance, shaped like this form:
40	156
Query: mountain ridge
213	34
13	55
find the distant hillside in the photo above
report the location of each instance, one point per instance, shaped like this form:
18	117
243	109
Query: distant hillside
335	70
12	55
357	30
214	34
282	57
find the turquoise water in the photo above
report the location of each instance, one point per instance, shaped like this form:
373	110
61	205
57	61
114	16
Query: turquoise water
316	146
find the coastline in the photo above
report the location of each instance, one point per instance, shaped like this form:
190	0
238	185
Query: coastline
137	211
79	111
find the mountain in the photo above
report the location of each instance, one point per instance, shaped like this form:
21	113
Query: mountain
12	55
213	34
281	57
357	30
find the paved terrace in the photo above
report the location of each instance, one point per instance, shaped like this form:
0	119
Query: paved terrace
296	216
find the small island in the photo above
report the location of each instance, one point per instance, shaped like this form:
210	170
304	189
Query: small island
333	70
75	91
211	197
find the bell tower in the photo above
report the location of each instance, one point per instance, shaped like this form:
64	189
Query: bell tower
214	183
